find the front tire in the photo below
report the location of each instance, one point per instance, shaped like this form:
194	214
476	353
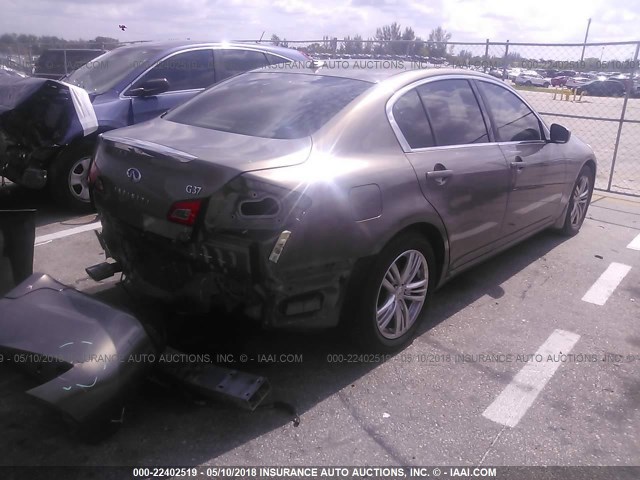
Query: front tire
578	203
68	177
396	288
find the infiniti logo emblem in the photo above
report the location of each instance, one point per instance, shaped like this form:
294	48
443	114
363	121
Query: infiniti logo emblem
134	175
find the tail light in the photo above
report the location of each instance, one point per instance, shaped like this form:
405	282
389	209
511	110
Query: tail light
250	203
94	176
185	212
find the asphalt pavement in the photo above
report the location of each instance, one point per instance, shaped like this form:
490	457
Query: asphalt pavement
532	358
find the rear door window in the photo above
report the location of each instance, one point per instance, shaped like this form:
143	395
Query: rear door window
454	112
231	62
276	60
513	120
184	71
411	119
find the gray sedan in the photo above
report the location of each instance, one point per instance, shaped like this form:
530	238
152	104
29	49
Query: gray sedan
309	198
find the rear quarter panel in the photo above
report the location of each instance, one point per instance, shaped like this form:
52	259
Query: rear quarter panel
363	189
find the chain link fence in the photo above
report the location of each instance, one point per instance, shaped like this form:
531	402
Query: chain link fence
608	120
23	56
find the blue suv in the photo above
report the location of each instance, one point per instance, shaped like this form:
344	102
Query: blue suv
42	143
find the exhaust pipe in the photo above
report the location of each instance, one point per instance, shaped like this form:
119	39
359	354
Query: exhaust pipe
17	236
103	270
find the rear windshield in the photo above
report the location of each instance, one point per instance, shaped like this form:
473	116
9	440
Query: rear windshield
270	105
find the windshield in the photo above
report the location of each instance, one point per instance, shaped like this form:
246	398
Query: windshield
270	105
105	72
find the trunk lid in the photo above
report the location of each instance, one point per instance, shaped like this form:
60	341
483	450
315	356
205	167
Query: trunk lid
147	168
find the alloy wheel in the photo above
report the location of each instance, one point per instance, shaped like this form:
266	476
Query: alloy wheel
78	179
580	201
402	294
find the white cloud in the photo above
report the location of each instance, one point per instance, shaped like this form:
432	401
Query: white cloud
499	20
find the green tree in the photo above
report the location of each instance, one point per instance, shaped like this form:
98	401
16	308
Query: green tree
388	35
352	45
437	42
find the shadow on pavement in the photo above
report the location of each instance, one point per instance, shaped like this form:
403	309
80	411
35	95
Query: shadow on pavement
171	427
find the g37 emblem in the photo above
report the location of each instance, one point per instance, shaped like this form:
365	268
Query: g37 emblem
193	189
134	175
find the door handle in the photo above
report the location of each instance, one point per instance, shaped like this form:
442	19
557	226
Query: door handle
518	163
440	176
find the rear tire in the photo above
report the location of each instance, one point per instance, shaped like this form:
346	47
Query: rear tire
578	203
395	289
68	175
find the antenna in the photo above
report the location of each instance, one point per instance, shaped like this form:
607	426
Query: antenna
261	37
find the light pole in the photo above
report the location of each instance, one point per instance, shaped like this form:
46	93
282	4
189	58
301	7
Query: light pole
585	42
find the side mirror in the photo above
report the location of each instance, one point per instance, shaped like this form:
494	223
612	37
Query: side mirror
150	87
559	134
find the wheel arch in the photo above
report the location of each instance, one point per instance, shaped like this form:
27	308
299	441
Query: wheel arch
90	139
591	163
435	236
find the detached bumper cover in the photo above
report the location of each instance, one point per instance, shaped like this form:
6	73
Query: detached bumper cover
88	354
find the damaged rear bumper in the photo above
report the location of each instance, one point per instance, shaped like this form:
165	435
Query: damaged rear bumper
85	354
228	270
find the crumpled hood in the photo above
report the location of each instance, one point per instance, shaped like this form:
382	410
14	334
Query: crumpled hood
40	113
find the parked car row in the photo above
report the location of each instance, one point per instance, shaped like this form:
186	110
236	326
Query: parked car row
612	84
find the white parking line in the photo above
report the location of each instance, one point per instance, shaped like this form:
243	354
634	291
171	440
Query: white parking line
65	233
600	291
635	243
519	395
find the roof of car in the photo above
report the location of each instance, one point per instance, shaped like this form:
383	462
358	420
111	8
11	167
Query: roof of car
171	45
374	71
73	50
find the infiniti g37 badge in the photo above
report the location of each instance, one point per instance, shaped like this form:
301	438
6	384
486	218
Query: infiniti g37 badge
134	175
